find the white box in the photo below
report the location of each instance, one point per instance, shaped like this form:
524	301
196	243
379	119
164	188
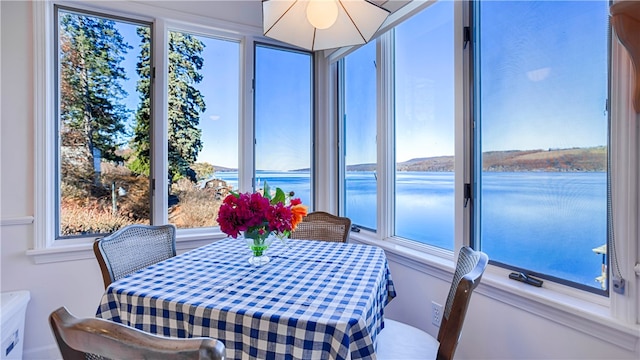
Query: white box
13	310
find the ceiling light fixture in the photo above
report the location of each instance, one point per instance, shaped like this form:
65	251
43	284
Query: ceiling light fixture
322	14
321	24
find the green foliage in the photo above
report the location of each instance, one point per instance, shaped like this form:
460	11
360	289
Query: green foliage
141	141
91	111
186	103
279	196
203	170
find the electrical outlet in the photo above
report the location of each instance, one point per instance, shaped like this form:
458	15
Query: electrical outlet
436	313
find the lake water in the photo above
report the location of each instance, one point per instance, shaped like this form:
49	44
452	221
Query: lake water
549	221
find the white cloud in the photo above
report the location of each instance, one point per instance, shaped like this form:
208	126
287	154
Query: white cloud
214	117
538	74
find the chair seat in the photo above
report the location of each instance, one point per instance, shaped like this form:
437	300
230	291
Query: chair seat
402	341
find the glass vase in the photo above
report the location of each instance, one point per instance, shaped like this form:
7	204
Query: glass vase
258	244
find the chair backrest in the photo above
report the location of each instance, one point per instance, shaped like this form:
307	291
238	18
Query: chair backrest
320	225
132	248
469	269
99	338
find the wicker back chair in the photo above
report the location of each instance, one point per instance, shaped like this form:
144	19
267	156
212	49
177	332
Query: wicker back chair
401	341
132	248
94	338
320	225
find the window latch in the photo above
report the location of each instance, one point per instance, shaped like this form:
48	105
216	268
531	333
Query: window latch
467	194
525	279
466	36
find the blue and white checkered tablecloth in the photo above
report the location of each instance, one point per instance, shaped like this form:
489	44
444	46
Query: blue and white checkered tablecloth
314	300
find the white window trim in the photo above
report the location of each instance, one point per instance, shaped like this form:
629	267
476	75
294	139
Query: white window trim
625	147
385	138
44	127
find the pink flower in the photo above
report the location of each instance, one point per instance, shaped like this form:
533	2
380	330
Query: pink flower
259	214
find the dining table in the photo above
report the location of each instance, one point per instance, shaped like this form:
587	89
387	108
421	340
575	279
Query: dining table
312	300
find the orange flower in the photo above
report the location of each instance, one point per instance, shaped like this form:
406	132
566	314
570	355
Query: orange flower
298	211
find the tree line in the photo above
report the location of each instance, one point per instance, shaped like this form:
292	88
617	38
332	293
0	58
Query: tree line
93	116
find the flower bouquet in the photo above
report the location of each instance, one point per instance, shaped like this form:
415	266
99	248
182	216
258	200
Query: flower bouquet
259	218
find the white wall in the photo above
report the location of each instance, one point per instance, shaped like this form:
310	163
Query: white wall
74	284
494	329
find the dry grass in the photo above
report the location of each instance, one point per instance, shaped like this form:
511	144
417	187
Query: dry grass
89	217
196	207
87	208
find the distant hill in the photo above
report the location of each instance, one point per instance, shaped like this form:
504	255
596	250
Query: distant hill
223	169
551	160
576	159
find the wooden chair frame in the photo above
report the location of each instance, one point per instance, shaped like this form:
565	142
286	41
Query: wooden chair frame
320	225
79	339
458	301
402	341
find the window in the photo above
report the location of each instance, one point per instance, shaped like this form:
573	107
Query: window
124	157
203	117
541	137
422	129
424	126
99	91
283	108
537	184
106	146
360	136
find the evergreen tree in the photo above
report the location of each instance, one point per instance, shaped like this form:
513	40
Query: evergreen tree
186	103
91	112
141	142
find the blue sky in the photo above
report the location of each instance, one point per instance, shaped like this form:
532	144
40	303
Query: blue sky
220	88
524	104
283	109
542	95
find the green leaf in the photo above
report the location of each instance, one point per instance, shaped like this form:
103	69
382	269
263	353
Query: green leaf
266	191
279	197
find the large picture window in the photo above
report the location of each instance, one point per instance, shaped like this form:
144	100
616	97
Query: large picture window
541	143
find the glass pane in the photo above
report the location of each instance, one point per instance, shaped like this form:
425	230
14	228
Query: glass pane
204	78
283	94
424	118
360	136
100	88
542	136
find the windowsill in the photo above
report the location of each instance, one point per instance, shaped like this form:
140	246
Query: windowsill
84	250
582	312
